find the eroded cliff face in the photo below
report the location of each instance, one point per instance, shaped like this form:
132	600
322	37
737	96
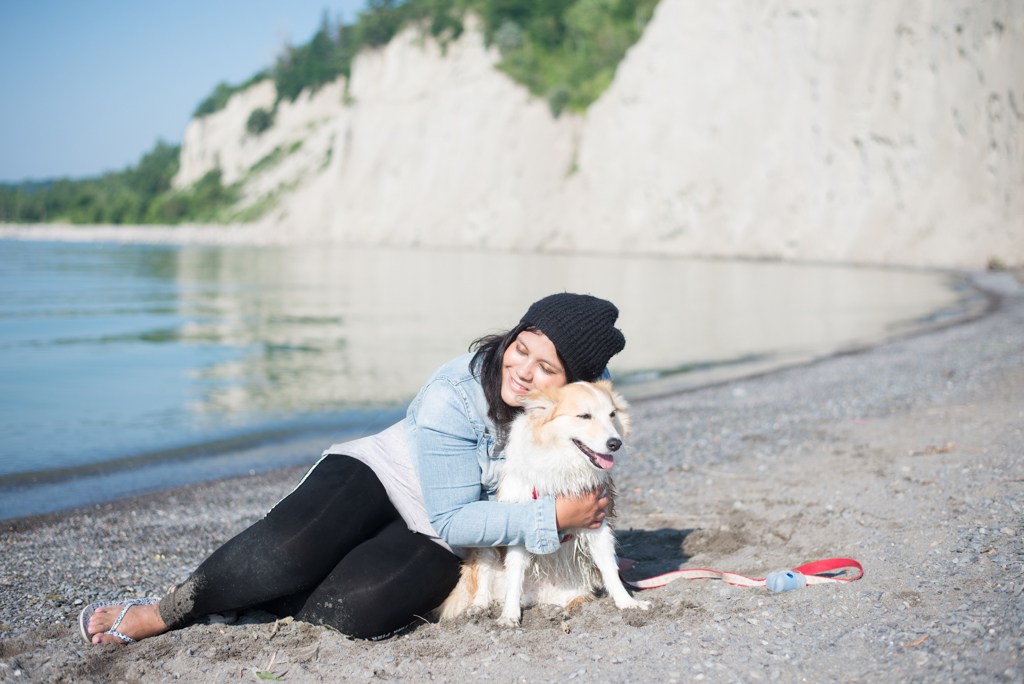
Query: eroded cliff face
857	131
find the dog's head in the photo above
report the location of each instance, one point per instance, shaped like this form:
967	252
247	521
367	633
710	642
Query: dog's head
590	415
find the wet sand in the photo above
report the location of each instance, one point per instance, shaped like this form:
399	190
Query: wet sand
908	457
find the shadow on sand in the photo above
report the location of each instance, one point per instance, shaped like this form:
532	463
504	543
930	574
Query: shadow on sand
655	551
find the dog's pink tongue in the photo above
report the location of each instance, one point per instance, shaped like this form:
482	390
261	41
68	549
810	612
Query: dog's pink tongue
605	461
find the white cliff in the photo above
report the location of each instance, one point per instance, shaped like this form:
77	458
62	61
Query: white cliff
859	131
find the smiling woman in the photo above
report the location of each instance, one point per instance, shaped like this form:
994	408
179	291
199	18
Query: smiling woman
561	339
531	363
411	497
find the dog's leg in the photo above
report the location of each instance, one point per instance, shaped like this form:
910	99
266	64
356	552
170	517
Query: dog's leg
516	560
490	568
602	544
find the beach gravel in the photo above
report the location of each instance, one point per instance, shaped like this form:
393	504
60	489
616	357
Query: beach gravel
906	457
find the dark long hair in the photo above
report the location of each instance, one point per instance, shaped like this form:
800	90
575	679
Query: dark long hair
486	363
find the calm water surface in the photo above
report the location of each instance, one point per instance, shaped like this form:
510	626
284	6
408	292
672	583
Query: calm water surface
110	352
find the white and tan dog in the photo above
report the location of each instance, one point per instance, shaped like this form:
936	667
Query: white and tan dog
562	444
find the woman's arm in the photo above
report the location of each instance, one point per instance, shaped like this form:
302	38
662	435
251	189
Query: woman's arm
446	462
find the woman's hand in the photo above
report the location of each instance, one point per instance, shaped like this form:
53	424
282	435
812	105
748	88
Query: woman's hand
588	511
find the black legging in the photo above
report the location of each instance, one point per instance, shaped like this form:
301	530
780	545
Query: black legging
335	552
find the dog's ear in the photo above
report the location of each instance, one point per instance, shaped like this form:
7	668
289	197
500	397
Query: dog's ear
540	400
620	404
540	405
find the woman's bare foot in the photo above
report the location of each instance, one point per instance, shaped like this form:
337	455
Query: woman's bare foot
139	622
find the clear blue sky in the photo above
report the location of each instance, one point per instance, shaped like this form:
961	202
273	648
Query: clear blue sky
90	86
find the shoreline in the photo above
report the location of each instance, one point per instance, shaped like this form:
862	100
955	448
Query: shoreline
183	234
260	235
906	456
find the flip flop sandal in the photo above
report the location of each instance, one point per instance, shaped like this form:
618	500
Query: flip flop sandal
88	611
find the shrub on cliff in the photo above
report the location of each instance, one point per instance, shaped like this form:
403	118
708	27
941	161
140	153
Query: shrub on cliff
564	50
259	121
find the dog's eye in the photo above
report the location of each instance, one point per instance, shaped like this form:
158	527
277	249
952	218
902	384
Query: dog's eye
584	416
612	415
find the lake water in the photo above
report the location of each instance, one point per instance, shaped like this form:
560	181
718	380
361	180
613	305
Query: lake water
163	364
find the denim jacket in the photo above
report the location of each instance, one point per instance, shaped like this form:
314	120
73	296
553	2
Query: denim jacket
451	443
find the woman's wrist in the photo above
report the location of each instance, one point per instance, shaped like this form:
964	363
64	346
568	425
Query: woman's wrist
587	511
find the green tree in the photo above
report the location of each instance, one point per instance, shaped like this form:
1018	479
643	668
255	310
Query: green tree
312	65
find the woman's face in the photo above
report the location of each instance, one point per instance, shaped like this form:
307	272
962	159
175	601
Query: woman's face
529	363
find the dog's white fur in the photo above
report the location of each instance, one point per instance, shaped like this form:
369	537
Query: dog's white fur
543	459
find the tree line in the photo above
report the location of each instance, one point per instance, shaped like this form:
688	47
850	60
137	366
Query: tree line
139	194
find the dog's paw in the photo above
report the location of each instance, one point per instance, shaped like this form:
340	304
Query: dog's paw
633	603
508	621
476	611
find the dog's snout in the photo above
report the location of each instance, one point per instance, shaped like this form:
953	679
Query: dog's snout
614	443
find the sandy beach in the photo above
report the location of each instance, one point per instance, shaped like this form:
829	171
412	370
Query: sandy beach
906	456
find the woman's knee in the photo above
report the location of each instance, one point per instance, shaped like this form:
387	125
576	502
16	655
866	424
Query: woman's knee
384	585
370	614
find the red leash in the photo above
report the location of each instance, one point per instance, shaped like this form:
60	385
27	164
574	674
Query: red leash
818	572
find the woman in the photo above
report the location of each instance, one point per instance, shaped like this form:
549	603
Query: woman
373	534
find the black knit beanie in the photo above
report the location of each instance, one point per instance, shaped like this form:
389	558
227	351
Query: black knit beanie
582	330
